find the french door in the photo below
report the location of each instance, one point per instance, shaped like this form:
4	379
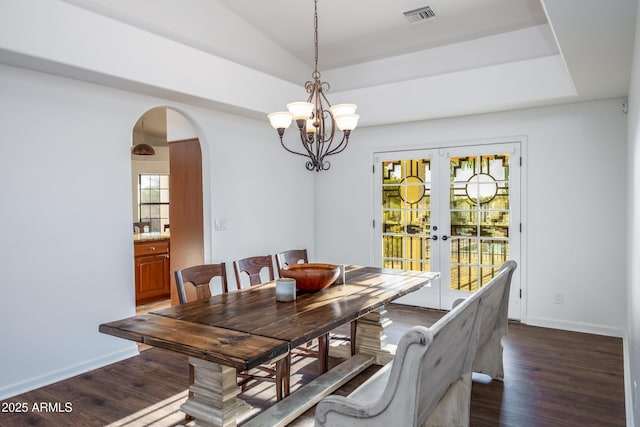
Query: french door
454	210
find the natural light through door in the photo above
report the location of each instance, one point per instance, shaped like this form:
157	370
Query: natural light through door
453	210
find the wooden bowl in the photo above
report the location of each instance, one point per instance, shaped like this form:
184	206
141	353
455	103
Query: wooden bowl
311	277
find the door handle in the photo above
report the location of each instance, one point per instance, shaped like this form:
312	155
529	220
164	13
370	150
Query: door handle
434	237
445	237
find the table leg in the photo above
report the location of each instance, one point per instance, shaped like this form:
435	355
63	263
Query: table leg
213	402
371	338
323	352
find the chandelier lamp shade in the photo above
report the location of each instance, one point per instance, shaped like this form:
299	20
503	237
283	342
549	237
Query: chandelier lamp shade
143	149
317	120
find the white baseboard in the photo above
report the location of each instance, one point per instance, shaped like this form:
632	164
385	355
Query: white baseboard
628	387
14	389
588	328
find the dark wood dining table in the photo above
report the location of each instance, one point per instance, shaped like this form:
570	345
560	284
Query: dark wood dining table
240	330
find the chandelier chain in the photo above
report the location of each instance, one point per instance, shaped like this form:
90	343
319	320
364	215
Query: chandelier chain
316	74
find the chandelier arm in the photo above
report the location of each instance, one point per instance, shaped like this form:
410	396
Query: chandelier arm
309	86
340	147
307	143
292	151
306	139
323	95
328	140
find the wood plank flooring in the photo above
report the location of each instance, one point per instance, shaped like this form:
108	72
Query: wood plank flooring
552	378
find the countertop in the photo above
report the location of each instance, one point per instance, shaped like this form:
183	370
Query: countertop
150	237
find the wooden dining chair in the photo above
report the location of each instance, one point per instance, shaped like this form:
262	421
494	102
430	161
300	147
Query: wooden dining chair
140	225
253	266
297	256
278	371
293	256
193	284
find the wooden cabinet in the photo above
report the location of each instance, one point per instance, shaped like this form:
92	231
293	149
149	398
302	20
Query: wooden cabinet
152	270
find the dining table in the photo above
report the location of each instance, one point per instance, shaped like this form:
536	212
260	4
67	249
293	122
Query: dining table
240	330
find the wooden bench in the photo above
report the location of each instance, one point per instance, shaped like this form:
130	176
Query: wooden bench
429	381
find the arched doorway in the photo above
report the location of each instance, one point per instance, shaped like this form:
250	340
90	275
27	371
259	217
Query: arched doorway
167	203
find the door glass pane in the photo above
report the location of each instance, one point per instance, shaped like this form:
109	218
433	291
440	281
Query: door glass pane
406	214
479	215
464	277
464	251
392	246
494	252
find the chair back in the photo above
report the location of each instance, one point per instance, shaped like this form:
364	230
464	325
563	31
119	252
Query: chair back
294	256
140	225
495	307
252	266
428	363
193	282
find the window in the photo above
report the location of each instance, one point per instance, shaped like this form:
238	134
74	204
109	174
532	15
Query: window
153	200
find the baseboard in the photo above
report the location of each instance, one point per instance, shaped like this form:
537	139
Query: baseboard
628	381
588	328
65	373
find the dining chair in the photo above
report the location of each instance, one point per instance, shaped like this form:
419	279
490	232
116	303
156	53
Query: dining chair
293	256
297	256
140	225
253	266
193	284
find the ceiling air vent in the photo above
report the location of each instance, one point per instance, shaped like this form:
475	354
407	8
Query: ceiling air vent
419	15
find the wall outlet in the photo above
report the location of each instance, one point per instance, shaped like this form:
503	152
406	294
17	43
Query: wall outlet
220	224
558	297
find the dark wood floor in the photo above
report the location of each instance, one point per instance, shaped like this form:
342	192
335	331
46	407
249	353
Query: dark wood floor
552	378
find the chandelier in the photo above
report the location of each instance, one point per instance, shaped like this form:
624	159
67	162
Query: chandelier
317	120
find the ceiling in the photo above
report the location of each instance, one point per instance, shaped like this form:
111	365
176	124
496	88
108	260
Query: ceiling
357	31
475	56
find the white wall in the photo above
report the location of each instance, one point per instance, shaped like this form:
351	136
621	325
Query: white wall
178	127
574	216
66	248
633	240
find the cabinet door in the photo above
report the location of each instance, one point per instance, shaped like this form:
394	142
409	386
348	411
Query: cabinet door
152	277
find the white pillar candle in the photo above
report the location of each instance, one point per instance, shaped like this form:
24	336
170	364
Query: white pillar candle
285	289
